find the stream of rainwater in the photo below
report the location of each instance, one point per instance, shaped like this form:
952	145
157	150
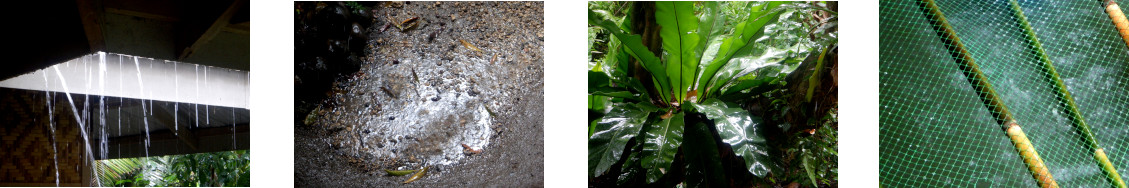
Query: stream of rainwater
93	71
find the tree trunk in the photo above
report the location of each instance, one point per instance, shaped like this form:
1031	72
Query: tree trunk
824	95
643	23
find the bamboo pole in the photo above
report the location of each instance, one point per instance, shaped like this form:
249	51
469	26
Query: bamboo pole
988	95
1064	97
1119	20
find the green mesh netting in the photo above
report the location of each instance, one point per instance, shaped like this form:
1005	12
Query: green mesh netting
935	131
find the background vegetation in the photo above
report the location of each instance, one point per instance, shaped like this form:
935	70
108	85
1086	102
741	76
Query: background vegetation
219	169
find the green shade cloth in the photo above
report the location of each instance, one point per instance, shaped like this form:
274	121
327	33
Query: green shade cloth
936	132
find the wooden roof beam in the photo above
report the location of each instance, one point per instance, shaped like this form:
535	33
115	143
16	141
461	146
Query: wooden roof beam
239	28
140	14
93	16
216	27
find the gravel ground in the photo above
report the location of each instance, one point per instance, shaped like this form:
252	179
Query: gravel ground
426	97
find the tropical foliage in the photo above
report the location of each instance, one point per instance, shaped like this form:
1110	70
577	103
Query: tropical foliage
657	108
231	168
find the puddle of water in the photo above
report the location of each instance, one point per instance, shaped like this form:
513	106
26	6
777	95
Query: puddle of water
419	112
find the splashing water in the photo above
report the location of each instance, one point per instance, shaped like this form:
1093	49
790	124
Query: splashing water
207	114
120	99
233	128
51	120
145	114
81	124
196	107
104	144
176	106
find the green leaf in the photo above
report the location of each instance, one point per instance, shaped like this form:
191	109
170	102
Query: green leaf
741	131
807	167
771	66
599	91
591	127
631	171
679	31
611	62
616	63
704	168
739	67
611	134
399	172
599	84
598	103
764	74
613	92
712	27
744	33
633	45
636	86
625	22
648	107
774	54
662	142
711	24
606	15
597	79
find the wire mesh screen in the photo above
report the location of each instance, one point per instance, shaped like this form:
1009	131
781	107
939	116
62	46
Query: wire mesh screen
936	131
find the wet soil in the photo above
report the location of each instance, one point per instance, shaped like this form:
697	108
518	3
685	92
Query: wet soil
461	91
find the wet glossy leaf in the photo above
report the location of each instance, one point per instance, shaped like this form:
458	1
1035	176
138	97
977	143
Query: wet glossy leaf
741	131
739	67
770	58
661	143
773	51
760	76
610	136
744	33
